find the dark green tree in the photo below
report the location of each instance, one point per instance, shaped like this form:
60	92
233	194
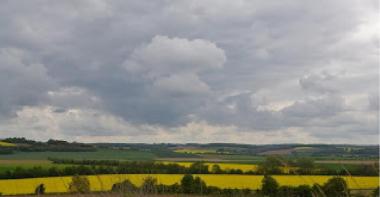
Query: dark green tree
198	168
304	191
216	169
271	165
198	186
269	186
336	187
187	183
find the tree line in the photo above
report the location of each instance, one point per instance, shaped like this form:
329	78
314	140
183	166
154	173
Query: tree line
26	145
271	165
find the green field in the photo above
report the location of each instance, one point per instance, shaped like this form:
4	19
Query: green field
103	154
13	164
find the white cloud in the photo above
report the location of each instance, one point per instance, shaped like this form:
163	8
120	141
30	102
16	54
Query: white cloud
172	68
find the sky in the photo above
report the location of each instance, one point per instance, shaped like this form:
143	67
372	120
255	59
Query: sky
179	71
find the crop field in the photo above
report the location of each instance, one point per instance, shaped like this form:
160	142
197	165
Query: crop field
229	166
105	182
13	164
103	154
195	151
6	144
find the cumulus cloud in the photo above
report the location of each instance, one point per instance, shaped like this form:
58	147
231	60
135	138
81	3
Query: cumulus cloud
240	71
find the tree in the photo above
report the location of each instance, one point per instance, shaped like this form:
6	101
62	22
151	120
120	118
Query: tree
124	187
79	184
198	186
269	186
305	165
40	189
335	187
271	165
198	168
216	169
187	183
304	191
149	185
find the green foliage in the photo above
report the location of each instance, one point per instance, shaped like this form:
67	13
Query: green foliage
191	185
169	189
149	185
199	186
215	169
269	186
271	165
40	189
187	183
304	191
336	187
124	187
300	191
284	191
198	168
375	192
305	165
79	185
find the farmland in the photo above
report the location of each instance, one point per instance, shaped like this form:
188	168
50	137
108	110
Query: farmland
105	182
26	164
7	144
223	166
105	154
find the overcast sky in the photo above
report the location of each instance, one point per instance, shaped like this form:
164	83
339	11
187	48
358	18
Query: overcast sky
243	71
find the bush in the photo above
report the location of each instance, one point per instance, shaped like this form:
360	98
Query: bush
79	185
198	186
335	187
304	191
286	191
124	187
40	189
187	183
375	193
269	186
149	185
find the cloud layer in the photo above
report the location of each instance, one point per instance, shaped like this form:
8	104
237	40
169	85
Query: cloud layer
190	71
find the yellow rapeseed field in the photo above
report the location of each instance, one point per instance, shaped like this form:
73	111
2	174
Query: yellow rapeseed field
229	166
6	144
105	182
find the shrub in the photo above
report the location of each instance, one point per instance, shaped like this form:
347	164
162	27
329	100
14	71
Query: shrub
375	192
149	185
269	186
304	191
40	189
286	191
79	185
187	183
124	187
198	186
335	187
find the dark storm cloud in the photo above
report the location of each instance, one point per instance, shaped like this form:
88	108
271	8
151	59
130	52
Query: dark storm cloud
257	66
